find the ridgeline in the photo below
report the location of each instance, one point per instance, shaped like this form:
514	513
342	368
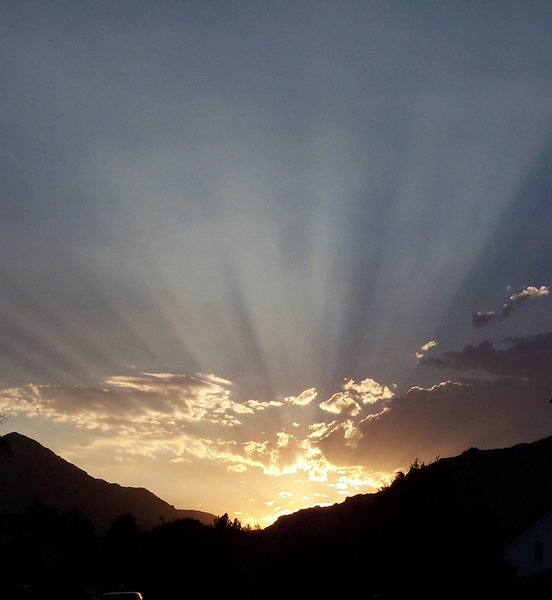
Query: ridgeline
438	531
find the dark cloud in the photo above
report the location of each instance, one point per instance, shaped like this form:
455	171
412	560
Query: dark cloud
480	319
443	420
529	356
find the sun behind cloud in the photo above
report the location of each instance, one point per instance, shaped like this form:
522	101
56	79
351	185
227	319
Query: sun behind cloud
188	420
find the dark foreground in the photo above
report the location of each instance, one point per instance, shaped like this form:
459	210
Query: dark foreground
415	539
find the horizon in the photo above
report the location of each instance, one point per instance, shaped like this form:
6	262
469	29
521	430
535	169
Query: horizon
416	464
258	258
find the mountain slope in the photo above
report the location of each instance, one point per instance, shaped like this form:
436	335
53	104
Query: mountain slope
512	484
32	471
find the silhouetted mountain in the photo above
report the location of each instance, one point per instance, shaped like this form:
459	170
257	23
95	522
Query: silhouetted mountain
30	471
437	531
513	484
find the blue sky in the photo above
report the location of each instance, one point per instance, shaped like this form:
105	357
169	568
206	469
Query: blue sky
245	242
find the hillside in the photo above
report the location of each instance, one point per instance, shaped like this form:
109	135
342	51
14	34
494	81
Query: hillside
437	531
512	484
32	471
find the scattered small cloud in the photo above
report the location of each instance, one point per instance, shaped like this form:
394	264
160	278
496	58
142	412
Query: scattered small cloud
184	419
480	319
258	406
341	403
304	398
369	391
424	349
355	397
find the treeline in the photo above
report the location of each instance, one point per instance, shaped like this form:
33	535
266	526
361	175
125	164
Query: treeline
416	538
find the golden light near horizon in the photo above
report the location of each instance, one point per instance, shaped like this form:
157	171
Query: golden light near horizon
156	428
196	443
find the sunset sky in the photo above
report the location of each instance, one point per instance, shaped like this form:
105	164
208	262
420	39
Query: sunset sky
257	256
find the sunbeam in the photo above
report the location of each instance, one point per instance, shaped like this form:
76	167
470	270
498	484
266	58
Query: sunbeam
247	246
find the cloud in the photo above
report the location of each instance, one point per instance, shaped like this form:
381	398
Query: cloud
528	357
189	417
355	397
529	292
304	398
508	407
369	391
145	402
365	431
257	405
480	319
425	348
341	403
187	426
145	414
442	420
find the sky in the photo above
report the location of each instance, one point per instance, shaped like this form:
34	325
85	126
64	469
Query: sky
257	256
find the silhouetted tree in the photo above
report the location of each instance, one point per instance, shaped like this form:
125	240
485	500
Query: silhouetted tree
52	551
121	551
224	522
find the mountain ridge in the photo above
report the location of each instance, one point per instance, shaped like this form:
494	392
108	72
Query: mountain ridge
29	471
442	527
514	484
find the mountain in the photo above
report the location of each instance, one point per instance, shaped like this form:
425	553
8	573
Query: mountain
437	531
514	485
30	471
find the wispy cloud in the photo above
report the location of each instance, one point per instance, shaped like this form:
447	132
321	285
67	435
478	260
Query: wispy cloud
480	319
186	419
153	401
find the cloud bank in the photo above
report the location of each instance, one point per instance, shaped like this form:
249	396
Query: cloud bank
508	406
524	357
